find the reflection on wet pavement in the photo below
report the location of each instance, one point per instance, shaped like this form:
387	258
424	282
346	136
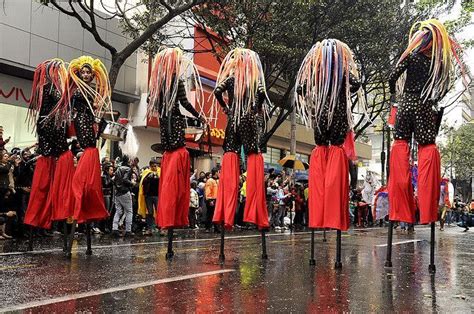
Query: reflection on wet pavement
133	276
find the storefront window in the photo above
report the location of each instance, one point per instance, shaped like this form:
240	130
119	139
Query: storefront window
272	156
13	120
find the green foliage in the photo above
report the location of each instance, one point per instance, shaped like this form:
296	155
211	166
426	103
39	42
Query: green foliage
458	152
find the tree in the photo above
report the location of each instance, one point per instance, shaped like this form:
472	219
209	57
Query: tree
282	32
457	154
157	13
275	29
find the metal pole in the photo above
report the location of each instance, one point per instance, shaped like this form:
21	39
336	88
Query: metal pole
338	263
382	155
65	236
221	255
170	252
264	246
312	261
388	154
388	259
432	267
324	236
89	240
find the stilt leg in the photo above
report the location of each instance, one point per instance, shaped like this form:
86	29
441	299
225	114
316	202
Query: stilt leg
291	221
71	238
65	236
388	260
338	263
432	267
312	261
30	239
170	252
264	246
89	240
221	254
324	236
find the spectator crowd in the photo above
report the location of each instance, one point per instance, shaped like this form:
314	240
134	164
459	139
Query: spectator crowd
131	198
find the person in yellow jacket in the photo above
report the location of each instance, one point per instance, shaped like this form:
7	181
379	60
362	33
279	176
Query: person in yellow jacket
148	195
210	192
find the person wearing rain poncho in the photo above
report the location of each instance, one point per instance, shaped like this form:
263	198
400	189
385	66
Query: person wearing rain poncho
51	195
241	77
425	70
325	81
167	94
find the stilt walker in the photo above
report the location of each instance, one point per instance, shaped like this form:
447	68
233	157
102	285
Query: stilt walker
325	81
424	69
48	85
167	93
86	104
241	77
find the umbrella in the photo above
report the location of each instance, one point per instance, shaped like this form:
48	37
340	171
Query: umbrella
291	162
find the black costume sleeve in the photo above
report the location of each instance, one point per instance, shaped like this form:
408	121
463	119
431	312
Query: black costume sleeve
218	93
183	100
399	69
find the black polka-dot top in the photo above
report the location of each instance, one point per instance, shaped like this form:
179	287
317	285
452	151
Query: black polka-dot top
417	66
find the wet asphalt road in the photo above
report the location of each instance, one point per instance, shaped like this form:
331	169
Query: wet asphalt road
133	276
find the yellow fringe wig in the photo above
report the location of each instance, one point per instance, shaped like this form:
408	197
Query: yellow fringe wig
169	66
322	75
245	66
100	92
430	37
49	71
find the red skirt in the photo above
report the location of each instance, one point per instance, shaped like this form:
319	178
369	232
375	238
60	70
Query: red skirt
429	182
317	173
228	190
40	205
336	190
256	205
173	196
63	197
400	188
87	188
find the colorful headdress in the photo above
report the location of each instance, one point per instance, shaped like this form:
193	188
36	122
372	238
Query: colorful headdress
322	75
49	71
245	66
101	93
430	37
169	67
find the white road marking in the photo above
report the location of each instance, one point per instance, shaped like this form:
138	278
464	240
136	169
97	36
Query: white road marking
110	290
401	242
174	241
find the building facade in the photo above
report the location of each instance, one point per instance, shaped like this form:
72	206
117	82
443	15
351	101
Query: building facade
31	33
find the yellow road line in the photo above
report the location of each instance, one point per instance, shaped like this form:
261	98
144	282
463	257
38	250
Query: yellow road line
17	266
